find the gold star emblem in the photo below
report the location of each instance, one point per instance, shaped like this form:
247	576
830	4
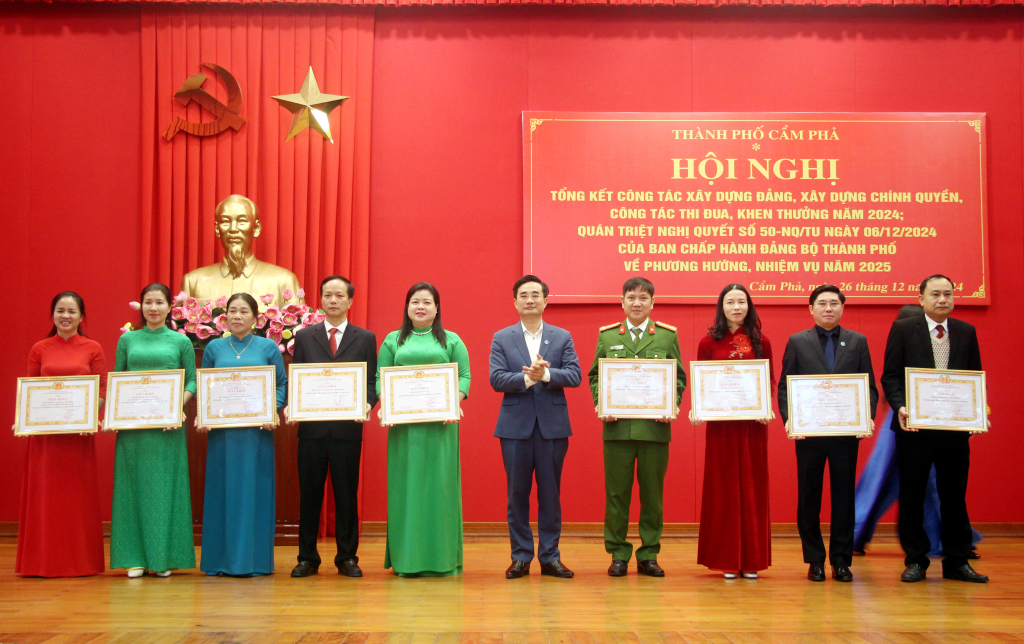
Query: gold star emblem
310	108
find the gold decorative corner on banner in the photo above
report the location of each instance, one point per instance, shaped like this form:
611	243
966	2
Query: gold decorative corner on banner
534	123
980	292
975	124
227	115
310	108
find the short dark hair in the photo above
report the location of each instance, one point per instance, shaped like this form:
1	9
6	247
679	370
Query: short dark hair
348	285
937	276
827	288
248	299
641	283
526	279
910	311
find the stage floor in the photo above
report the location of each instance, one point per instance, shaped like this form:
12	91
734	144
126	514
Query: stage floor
482	607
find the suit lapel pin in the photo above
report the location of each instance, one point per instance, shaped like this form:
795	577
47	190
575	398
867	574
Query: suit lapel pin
547	342
842	344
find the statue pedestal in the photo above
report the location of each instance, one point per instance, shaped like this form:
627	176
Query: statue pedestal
286	471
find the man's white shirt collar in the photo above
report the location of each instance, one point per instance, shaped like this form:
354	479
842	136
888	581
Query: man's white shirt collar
526	332
341	328
642	327
932	324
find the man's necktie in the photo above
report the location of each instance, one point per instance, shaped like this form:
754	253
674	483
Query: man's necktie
637	332
939	332
334	342
830	353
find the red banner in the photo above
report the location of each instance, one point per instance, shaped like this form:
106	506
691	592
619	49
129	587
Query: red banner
781	203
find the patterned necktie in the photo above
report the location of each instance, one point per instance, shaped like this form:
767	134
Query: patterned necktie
637	332
334	342
830	353
939	333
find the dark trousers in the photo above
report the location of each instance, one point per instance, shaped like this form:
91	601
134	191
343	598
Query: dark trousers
950	452
314	458
523	459
840	452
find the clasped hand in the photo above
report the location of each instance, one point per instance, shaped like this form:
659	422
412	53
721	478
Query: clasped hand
535	371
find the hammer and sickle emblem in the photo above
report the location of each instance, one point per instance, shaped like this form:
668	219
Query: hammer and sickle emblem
227	115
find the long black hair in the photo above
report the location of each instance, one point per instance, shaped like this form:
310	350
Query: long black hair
752	323
407	327
157	286
81	309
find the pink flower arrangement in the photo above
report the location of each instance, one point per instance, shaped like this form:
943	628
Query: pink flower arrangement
204	332
287	294
135	306
202	322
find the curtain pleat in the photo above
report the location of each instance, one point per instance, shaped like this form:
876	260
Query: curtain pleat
312	194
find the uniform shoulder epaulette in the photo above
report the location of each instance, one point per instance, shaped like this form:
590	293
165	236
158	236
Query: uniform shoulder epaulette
609	326
665	326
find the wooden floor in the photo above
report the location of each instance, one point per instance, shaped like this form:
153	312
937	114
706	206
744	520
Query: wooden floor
481	607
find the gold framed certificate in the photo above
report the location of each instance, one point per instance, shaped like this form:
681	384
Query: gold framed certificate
946	399
145	399
730	389
829	405
68	405
637	388
327	391
419	394
239	397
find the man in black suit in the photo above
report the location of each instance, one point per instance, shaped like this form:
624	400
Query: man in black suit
334	445
934	341
823	349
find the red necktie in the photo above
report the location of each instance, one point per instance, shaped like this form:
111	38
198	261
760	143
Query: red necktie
334	342
939	332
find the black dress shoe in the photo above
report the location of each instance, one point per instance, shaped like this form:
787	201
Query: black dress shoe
304	569
914	572
350	568
842	573
619	568
650	568
973	554
556	568
816	572
517	569
964	573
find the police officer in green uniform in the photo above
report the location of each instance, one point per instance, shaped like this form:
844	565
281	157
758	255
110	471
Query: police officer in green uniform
641	442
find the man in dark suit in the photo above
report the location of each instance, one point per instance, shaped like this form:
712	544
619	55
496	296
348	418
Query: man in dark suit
823	349
333	445
934	341
532	363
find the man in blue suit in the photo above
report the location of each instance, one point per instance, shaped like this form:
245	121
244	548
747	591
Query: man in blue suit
532	363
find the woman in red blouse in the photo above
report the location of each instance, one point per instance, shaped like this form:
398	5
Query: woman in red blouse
735	532
60	533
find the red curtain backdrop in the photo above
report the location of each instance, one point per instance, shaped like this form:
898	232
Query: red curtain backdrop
313	195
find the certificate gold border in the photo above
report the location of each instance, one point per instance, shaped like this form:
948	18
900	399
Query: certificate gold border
696	387
294	380
451	370
859	380
670	386
911	398
269	398
162	374
18	431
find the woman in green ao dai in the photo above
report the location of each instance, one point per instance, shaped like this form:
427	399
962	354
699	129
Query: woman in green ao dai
424	473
